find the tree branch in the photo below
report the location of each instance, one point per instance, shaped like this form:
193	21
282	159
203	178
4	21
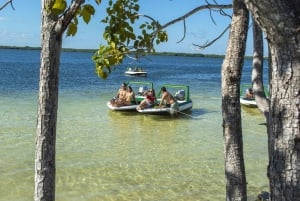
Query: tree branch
70	13
184	31
5	4
211	42
209	6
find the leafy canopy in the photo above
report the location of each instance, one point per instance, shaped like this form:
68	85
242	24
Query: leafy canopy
84	11
121	37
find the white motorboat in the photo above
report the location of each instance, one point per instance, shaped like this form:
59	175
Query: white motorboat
182	96
122	108
135	71
249	102
139	88
245	99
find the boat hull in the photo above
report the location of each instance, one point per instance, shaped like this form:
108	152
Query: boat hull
136	73
122	108
182	106
248	102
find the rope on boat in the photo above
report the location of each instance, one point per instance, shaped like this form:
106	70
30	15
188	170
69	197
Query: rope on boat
195	117
187	114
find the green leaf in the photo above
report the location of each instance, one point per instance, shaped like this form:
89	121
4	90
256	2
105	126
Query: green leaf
72	29
86	12
59	7
102	74
98	2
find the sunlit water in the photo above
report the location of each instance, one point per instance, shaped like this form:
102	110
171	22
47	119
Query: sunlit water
106	155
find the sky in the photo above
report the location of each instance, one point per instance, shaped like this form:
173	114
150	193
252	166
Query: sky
21	27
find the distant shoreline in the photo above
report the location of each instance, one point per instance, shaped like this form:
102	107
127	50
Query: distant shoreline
157	53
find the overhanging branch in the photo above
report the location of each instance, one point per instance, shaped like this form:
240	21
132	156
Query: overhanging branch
5	4
210	7
195	10
211	42
70	12
184	29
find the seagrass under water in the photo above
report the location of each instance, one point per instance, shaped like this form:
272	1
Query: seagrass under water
105	155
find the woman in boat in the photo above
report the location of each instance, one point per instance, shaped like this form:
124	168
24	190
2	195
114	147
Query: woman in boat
128	99
148	101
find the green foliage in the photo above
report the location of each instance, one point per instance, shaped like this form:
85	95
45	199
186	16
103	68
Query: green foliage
86	12
119	33
98	2
59	7
122	38
106	57
72	29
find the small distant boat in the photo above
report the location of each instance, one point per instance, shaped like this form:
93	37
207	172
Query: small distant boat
247	97
182	96
136	71
249	102
139	88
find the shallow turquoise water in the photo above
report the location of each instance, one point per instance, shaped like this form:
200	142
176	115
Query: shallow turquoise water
105	155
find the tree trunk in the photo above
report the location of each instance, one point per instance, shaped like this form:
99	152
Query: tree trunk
45	169
284	164
282	32
236	188
257	71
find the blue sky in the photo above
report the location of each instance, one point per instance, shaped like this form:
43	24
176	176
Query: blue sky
21	27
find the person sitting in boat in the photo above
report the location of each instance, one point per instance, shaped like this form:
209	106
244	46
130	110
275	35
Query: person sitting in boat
129	98
149	99
249	93
167	100
121	94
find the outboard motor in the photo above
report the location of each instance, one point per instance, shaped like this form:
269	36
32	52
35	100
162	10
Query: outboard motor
142	89
180	95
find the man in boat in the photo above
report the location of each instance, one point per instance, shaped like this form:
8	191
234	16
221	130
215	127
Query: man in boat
249	93
121	95
168	100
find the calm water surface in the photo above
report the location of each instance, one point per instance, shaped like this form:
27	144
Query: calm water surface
105	155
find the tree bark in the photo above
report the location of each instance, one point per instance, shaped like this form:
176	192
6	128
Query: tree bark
282	33
236	188
53	27
257	71
45	168
284	164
